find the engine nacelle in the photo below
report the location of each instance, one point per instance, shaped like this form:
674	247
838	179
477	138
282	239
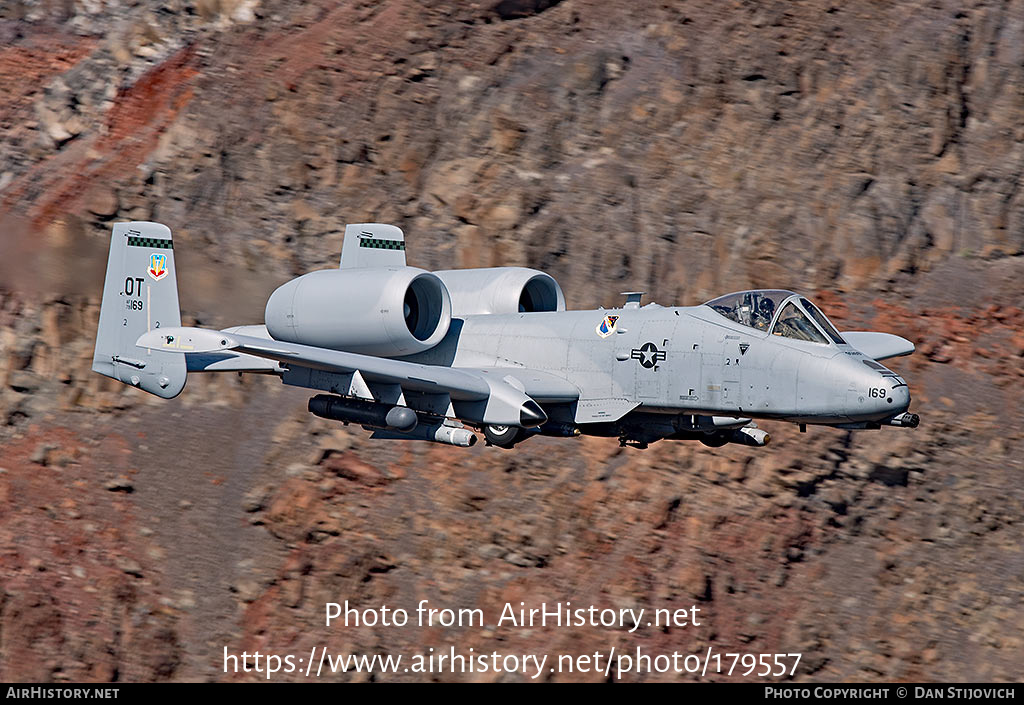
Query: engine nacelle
375	311
501	290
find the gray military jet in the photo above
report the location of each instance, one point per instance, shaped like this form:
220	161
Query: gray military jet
433	356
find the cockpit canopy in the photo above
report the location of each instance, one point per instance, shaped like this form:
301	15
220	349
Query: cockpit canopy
782	312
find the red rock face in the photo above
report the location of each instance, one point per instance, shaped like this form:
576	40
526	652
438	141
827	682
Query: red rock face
73	595
868	154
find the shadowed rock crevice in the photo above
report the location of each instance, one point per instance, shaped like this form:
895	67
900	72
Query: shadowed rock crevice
518	9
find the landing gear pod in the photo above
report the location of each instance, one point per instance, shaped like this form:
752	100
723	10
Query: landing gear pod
503	436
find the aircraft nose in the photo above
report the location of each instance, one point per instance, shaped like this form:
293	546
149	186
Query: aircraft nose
875	392
893	392
900	396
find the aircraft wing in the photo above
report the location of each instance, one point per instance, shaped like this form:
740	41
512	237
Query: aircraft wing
878	346
503	396
542	386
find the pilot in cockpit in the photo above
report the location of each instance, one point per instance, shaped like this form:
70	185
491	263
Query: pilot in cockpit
764	314
751	308
757	310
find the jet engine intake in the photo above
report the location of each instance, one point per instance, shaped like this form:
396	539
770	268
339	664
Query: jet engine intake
386	312
501	290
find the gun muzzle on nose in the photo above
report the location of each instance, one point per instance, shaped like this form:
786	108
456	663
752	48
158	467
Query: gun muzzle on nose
904	420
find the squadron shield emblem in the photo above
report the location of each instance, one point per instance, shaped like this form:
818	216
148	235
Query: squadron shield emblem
607	326
157	266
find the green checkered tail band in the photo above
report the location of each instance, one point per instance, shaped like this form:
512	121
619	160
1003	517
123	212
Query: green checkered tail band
150	242
379	244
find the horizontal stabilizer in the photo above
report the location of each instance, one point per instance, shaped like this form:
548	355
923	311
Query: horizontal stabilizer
229	362
188	340
414	376
878	346
491	396
233	361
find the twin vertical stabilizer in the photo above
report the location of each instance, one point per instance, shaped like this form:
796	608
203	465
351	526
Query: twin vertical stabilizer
140	294
372	245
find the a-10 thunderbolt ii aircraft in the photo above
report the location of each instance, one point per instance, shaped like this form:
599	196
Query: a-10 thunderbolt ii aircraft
436	356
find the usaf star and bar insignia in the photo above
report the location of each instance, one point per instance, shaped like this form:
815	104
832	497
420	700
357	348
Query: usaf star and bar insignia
648	354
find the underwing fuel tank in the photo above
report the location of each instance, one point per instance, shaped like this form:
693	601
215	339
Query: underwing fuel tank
438	433
388	421
750	437
367	413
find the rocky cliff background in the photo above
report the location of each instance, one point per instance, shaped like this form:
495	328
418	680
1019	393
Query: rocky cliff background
867	153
